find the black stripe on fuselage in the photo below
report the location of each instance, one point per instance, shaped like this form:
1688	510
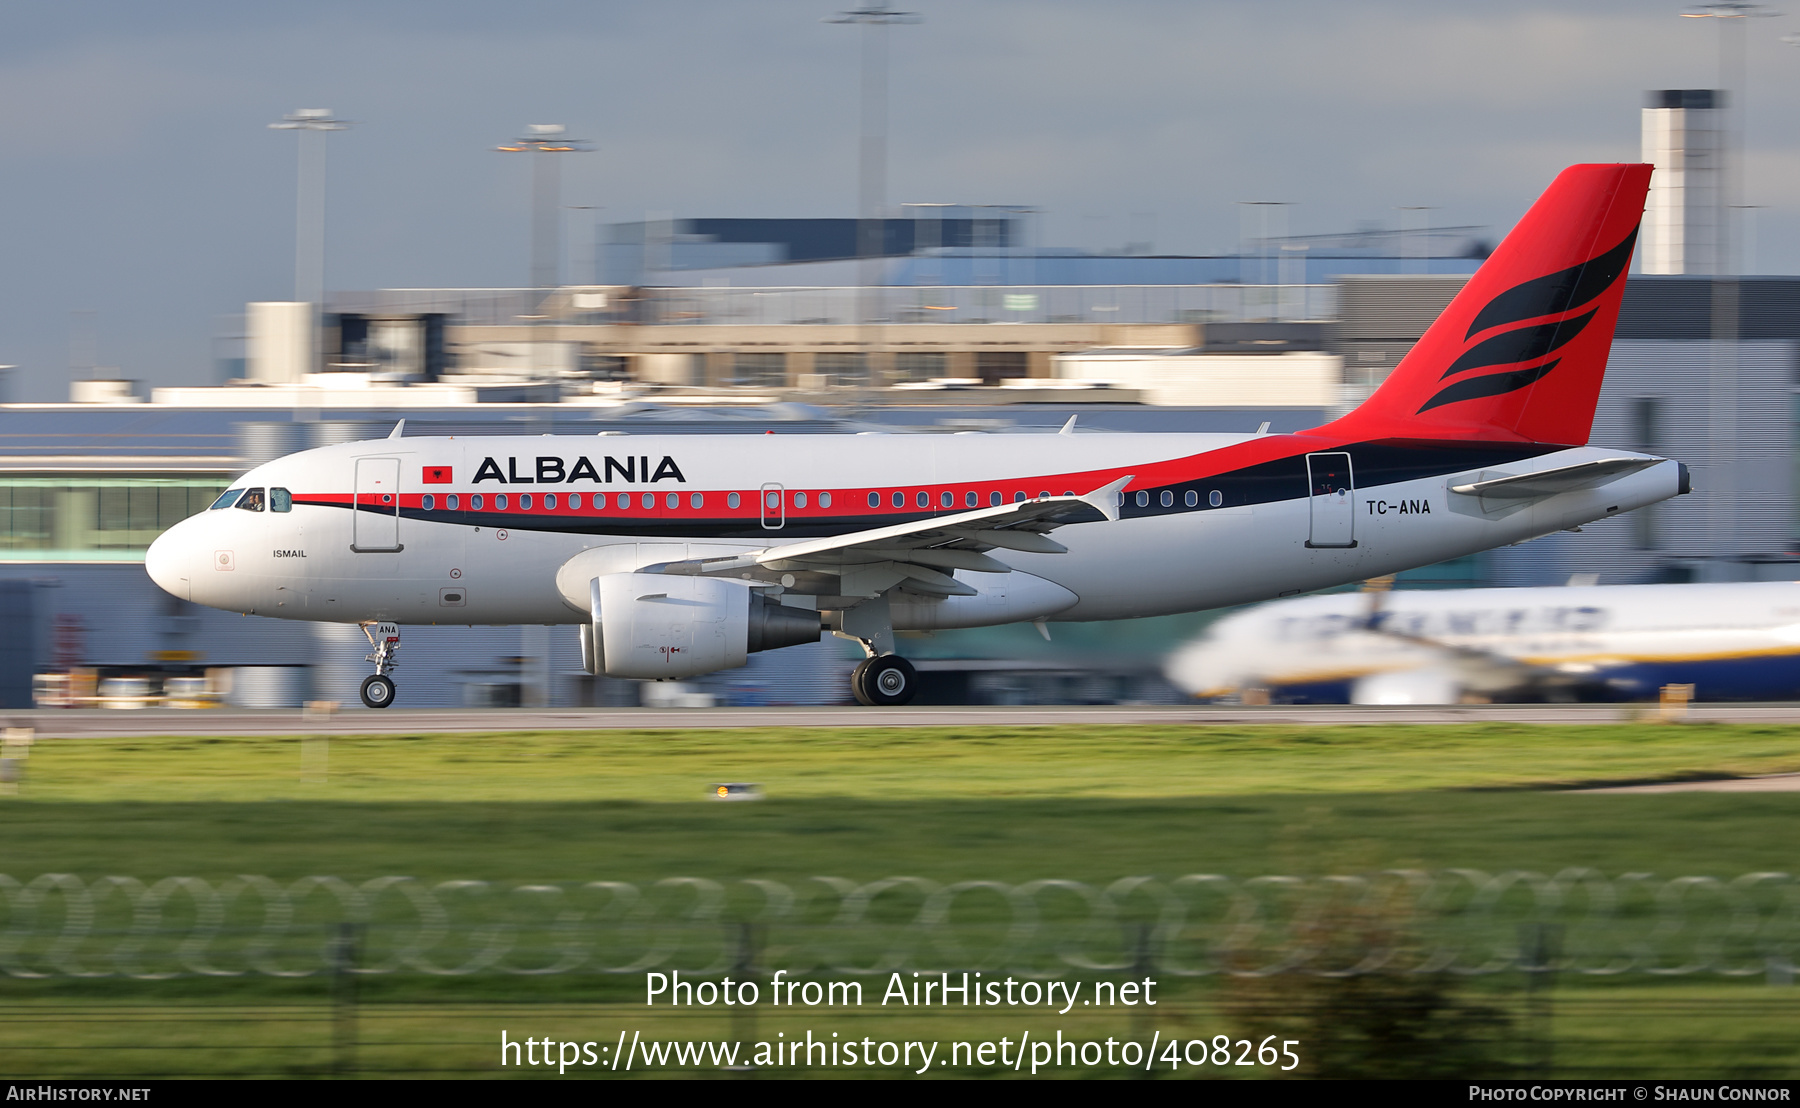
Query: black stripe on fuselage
1372	464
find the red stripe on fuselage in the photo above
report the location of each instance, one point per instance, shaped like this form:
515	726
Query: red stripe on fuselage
855	501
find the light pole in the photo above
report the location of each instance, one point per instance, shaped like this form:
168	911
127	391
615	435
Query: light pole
874	19
313	124
1425	235
541	140
1722	380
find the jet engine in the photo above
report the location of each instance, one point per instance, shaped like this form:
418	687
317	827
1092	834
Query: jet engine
649	626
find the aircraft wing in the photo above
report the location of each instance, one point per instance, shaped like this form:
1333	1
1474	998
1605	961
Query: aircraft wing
919	553
1550	482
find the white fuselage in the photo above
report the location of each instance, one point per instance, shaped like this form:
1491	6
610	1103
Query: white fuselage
699	496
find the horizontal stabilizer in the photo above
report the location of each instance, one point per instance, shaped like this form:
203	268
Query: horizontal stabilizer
1550	482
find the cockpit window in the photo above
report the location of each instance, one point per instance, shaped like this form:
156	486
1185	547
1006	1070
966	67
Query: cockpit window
252	501
281	500
226	499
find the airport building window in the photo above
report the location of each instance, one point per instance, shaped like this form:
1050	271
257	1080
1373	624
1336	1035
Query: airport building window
732	500
428	502
759	371
921	366
843	368
81	517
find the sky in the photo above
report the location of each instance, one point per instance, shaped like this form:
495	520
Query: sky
146	200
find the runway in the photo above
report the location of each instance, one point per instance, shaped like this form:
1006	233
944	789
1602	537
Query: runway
94	723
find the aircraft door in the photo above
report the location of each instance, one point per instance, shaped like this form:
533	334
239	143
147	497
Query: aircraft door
375	514
774	507
1331	501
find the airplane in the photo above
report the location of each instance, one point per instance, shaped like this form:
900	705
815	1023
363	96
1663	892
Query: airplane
1444	646
680	555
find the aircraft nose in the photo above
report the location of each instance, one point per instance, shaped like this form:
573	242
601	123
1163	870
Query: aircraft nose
167	562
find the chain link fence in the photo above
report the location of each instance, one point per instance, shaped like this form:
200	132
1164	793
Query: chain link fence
1457	922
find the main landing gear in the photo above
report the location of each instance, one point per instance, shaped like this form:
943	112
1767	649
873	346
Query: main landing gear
378	691
884	681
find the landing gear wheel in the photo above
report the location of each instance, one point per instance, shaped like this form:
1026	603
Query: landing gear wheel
887	681
377	691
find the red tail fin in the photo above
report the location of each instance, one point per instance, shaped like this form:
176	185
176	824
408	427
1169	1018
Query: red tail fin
1520	352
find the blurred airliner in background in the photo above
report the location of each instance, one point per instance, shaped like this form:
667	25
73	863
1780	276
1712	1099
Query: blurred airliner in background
1610	642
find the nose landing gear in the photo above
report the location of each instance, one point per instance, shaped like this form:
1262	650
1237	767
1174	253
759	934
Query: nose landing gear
378	691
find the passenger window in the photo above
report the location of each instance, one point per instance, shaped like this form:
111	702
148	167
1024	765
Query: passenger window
226	499
500	501
799	500
649	500
574	501
673	500
1192	498
252	501
1143	500
824	500
993	499
697	500
1215	498
427	502
947	499
1168	499
525	502
550	502
874	500
969	500
899	500
452	501
1018	498
732	500
924	500
475	501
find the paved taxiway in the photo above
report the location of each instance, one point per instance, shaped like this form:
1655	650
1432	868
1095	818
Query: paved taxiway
53	724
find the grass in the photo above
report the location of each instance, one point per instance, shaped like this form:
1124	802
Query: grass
911	764
1009	804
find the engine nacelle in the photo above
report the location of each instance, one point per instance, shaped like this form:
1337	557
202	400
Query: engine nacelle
654	625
